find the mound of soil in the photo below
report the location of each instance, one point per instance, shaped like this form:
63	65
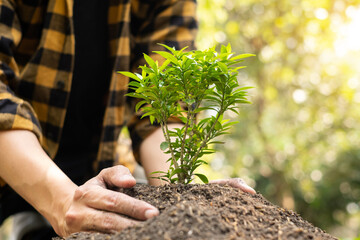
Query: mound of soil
211	212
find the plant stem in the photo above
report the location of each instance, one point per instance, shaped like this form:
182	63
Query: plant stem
165	130
182	148
192	121
184	137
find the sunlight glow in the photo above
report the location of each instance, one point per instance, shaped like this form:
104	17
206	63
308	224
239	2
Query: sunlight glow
299	96
321	13
348	34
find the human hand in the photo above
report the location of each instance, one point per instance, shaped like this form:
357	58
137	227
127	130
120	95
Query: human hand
97	206
236	183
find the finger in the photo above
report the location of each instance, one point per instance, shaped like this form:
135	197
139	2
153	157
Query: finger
117	176
236	183
98	221
107	200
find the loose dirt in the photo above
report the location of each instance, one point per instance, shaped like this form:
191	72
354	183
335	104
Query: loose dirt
211	212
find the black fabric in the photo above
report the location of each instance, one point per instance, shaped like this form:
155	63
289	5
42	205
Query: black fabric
11	203
92	71
44	233
83	123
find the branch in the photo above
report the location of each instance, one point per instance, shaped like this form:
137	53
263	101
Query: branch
204	142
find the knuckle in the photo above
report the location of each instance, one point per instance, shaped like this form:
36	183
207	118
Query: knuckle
71	217
133	209
113	201
103	172
122	169
240	180
80	192
108	223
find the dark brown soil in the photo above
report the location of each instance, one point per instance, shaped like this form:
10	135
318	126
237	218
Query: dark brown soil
211	212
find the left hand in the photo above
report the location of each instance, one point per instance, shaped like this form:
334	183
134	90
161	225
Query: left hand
97	205
236	183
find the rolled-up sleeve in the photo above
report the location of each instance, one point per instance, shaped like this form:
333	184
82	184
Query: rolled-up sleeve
16	113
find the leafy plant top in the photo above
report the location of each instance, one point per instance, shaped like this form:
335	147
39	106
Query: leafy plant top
186	84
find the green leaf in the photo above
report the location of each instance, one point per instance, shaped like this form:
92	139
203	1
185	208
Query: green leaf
218	126
202	177
183	119
208	151
177	171
159	172
234	110
187	74
228	48
146	70
168	48
199	161
241	56
223	49
216	142
130	75
150	61
181	50
134	84
190	101
168	56
173	180
238	68
223	67
139	105
164	65
152	119
164	146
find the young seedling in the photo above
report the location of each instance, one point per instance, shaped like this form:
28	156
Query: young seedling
186	84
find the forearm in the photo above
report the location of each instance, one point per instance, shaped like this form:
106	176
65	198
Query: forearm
31	173
152	157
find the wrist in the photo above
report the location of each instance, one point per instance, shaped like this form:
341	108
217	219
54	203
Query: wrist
60	197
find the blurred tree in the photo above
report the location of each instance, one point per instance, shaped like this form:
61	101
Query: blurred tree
300	139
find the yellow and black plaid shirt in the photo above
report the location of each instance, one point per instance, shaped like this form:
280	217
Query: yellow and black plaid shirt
37	59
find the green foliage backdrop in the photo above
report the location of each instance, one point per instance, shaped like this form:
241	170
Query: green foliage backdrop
299	142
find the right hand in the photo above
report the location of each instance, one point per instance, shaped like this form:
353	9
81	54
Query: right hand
95	207
236	183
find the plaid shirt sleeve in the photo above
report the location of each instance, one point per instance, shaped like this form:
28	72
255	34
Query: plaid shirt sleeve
15	113
172	22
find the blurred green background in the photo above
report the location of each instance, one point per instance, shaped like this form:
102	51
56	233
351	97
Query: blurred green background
298	143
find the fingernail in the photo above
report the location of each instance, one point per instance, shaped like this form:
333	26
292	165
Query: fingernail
151	213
